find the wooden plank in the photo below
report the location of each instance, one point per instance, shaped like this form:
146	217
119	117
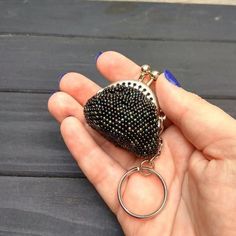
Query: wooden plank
37	63
118	19
30	140
53	206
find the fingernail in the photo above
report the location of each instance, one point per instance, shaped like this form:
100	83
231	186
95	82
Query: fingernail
98	55
171	78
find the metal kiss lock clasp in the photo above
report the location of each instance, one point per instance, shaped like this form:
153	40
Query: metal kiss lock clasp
146	71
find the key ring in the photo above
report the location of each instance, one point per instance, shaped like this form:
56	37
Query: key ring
151	171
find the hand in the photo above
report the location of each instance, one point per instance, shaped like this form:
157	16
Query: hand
198	159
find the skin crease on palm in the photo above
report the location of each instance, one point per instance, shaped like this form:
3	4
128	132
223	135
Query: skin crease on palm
198	159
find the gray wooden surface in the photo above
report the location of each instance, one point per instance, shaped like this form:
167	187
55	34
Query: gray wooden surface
42	190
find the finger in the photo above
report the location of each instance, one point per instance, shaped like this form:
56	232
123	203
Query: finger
115	66
202	123
78	86
103	172
62	105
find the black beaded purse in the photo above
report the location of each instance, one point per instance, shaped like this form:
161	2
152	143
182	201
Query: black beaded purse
127	113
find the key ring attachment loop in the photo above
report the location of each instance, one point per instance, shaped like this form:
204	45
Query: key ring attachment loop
146	163
120	198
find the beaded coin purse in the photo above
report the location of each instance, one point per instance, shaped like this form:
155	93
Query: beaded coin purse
127	113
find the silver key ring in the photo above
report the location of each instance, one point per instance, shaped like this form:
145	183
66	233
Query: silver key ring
147	170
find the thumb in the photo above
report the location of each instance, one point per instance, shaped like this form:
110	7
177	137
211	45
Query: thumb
200	122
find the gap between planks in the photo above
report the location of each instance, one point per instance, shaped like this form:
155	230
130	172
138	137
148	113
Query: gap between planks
166	39
208	2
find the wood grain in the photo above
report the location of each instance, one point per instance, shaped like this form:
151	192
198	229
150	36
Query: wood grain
30	141
37	63
118	19
53	206
30	136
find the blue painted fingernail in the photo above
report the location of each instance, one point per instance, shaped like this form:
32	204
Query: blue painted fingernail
171	78
98	55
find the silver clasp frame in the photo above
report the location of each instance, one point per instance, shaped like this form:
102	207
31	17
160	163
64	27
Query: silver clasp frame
146	71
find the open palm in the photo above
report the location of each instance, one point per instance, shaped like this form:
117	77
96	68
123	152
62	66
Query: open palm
198	159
